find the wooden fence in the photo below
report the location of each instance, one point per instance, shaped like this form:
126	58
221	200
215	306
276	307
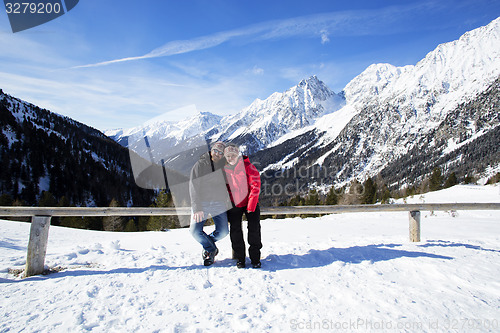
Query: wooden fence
40	219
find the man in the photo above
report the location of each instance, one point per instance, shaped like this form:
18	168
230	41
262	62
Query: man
209	196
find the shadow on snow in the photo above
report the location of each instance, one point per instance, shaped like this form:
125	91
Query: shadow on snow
273	262
443	243
10	244
351	255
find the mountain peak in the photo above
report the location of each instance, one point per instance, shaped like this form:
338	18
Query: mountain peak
312	80
313	86
201	115
201	120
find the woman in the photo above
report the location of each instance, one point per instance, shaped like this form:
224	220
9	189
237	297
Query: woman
243	180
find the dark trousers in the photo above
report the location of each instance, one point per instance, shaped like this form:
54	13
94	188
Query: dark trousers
235	216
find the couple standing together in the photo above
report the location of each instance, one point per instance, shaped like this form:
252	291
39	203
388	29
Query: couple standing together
224	170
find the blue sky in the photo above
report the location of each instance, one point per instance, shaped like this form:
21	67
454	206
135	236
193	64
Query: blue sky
112	64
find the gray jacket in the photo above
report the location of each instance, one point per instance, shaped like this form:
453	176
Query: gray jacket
207	183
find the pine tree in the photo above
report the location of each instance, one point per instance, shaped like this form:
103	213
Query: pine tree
313	198
355	193
331	197
469	179
63	202
296	201
386	195
436	180
130	227
142	223
6	200
64	221
494	179
157	223
424	186
370	192
19	203
29	193
451	180
47	200
113	223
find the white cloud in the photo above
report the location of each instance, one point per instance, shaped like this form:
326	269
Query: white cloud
257	71
18	50
103	102
324	36
106	98
350	23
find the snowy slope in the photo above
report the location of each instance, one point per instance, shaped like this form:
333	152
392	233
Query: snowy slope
391	111
43	151
420	96
343	273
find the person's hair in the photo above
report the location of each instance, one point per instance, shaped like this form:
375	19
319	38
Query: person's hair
212	145
230	149
230	144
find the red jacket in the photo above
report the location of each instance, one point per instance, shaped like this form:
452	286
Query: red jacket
243	183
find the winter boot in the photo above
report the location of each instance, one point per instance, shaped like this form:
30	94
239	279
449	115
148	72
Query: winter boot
209	257
241	263
256	264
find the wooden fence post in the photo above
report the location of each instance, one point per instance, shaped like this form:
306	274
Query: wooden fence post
414	226
37	246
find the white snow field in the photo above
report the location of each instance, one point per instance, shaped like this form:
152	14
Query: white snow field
346	273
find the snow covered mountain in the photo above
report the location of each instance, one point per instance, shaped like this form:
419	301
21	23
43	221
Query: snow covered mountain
449	75
265	121
389	110
382	115
255	127
41	151
165	131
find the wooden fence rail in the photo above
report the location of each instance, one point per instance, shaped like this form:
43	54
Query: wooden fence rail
41	217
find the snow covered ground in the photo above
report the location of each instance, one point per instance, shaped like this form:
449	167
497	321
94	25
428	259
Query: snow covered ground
345	272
